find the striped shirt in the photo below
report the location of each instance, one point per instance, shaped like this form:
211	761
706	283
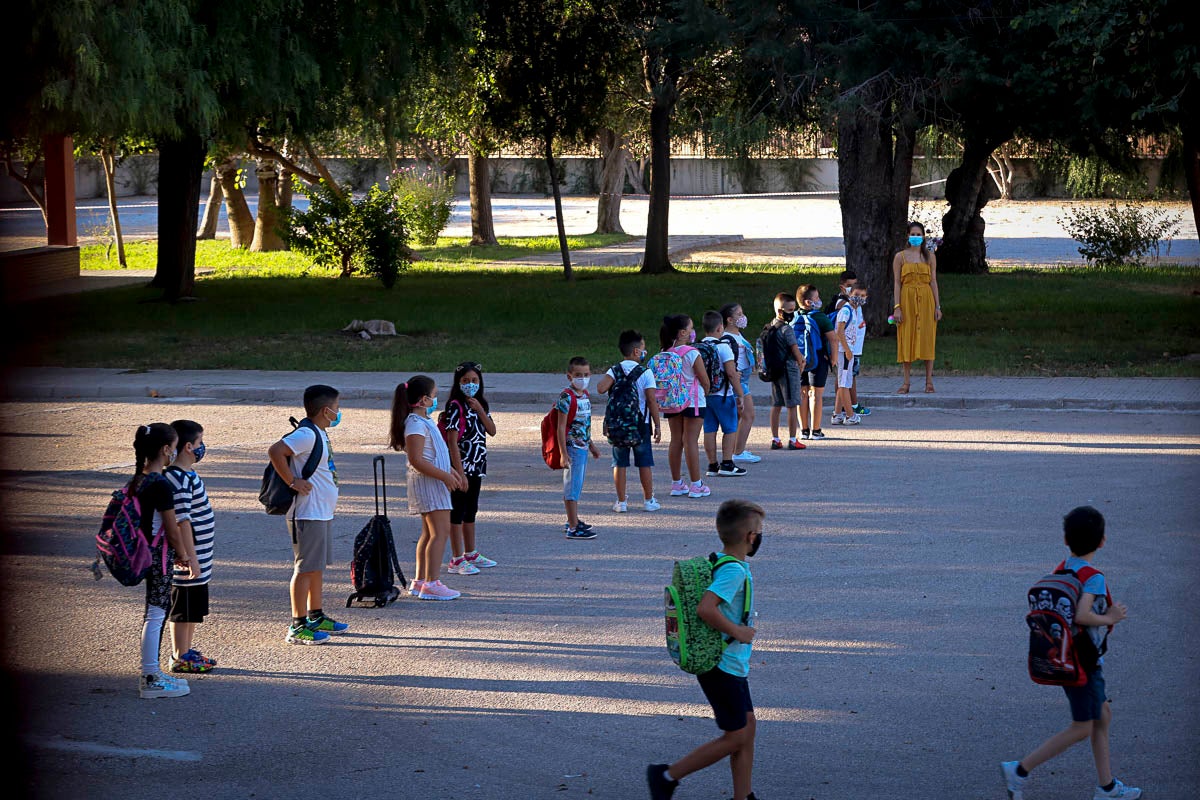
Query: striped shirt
191	506
427	494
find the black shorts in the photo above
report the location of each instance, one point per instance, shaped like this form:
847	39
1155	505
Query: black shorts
817	376
687	413
188	603
465	505
729	697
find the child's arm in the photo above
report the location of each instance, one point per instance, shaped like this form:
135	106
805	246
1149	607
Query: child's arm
709	611
652	407
279	453
606	382
178	544
562	435
484	418
701	373
843	342
452	446
414	447
799	357
1085	616
732	378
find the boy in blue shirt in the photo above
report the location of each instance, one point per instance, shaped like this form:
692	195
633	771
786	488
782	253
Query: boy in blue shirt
739	525
1091	714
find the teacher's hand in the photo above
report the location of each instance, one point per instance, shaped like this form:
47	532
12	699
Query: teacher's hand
937	314
897	316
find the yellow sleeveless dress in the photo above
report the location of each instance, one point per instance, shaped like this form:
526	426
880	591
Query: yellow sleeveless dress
916	336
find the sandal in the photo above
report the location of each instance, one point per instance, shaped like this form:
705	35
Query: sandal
929	388
903	389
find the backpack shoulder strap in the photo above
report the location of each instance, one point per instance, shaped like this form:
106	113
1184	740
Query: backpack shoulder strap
720	561
318	449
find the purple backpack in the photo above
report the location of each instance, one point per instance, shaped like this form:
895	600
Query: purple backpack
122	546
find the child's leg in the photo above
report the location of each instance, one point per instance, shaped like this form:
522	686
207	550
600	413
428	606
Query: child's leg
619	477
741	763
745	422
457	544
1100	750
181	637
854	391
691	444
675	450
774	417
468	532
793	419
711	752
572	481
710	446
572	513
423	548
153	619
805	399
646	475
435	552
1057	744
818	406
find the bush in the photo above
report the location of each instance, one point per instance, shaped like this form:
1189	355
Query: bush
424	198
366	236
1111	235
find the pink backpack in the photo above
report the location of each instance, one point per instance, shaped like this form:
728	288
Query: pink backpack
674	391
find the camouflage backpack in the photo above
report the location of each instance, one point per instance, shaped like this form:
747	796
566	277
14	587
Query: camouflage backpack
694	646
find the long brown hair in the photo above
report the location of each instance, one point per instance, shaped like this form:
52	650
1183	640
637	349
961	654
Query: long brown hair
404	403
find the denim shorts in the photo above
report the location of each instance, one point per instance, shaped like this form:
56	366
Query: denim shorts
1087	701
729	696
577	458
722	413
643	454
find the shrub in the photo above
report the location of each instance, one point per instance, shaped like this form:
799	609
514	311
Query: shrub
1110	235
424	198
366	236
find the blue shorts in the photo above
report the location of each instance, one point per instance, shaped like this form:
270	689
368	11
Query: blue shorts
643	454
729	696
722	413
577	458
1087	701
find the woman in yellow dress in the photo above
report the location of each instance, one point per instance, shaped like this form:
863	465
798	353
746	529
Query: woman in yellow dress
917	306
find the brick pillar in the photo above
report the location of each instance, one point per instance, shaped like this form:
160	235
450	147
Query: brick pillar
60	191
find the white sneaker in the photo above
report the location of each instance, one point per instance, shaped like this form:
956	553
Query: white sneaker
838	419
651	505
460	566
620	506
853	419
159	685
1119	790
1014	782
747	456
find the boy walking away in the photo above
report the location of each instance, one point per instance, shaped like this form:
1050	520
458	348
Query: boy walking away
785	390
724	607
575	442
1091	711
310	521
725	397
846	282
631	388
815	335
189	596
851	332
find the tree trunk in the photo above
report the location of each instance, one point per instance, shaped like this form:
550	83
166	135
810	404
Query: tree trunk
212	209
634	169
656	259
968	190
267	238
558	213
180	168
483	229
875	170
108	161
1191	165
241	221
612	181
285	189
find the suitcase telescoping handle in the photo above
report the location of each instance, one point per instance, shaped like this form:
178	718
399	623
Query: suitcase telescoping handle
380	482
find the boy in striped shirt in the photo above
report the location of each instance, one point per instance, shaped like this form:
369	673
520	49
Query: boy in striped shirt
189	598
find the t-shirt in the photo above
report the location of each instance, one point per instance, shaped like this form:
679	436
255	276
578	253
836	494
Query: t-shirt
1097	586
645	381
689	375
434	449
154	497
579	432
788	338
856	328
724	356
472	443
320	503
729	584
192	506
745	354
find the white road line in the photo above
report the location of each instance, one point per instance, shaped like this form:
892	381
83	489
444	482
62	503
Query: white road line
69	745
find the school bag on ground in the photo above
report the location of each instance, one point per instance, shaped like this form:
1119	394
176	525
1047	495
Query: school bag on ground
713	366
555	458
768	352
671	385
694	646
122	546
275	495
462	421
374	568
622	413
1060	652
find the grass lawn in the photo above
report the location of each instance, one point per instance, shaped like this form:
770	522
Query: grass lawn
1078	322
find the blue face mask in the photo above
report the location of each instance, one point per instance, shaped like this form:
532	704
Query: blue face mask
336	420
433	407
469	389
915	241
198	453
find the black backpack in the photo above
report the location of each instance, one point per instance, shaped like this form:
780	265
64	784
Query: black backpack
275	495
712	365
374	569
772	361
623	413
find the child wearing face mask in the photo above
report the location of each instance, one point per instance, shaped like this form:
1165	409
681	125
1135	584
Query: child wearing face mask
575	443
851	333
431	479
194	514
466	424
735	326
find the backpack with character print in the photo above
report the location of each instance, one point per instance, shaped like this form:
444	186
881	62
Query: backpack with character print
1060	652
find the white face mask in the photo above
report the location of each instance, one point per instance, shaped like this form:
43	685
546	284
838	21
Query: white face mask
580	384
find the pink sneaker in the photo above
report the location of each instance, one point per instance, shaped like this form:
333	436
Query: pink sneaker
436	590
699	490
414	588
678	488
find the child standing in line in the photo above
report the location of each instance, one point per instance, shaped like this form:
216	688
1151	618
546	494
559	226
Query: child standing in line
846	282
575	443
1091	710
154	448
310	521
194	515
735	326
726	686
785	390
724	402
851	333
677	334
467	424
633	356
431	479
815	330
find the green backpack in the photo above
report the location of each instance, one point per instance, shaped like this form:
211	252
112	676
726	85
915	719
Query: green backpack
694	646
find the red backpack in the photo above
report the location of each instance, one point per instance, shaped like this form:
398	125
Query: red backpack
462	420
550	452
1060	652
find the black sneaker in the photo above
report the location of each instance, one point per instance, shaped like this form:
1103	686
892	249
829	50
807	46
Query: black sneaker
730	470
580	534
817	433
582	526
660	787
712	470
804	433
